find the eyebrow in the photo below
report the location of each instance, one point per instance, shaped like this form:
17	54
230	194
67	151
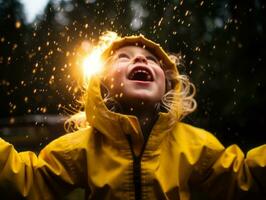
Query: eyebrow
152	56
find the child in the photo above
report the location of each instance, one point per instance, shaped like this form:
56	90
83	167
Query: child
135	146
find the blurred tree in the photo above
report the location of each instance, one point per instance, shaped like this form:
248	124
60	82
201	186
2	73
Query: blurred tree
222	43
12	56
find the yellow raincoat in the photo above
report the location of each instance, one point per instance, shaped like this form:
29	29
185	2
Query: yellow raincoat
111	160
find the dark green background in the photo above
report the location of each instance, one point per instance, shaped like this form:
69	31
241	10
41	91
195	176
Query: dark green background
223	44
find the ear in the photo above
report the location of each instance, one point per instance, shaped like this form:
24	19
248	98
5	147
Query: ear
168	85
170	80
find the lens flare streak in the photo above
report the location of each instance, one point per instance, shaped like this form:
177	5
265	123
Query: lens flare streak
92	63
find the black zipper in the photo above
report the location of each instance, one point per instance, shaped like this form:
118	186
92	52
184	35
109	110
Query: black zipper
137	169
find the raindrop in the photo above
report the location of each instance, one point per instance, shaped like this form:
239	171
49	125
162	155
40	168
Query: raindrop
18	24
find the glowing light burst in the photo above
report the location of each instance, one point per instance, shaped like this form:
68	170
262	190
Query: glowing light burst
92	62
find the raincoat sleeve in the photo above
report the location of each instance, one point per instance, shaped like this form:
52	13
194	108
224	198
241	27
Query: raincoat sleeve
47	176
226	173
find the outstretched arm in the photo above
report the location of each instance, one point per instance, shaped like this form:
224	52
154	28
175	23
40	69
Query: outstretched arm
232	176
47	176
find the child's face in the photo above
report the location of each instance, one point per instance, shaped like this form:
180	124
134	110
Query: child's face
135	76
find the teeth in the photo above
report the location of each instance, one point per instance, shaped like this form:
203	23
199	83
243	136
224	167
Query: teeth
139	71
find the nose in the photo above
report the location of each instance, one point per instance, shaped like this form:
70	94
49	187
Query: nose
141	59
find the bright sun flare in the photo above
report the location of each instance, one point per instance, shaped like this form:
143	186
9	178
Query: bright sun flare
92	63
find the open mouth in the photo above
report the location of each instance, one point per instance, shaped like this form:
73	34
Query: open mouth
140	74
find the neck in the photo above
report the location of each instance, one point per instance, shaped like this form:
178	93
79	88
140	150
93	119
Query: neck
147	116
146	122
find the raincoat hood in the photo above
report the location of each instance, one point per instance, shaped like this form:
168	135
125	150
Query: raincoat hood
145	43
104	120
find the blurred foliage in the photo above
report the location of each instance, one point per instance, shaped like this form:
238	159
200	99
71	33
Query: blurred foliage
222	42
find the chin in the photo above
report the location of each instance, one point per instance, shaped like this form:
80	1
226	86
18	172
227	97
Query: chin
141	99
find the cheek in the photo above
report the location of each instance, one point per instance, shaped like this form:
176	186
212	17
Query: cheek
116	71
161	81
114	80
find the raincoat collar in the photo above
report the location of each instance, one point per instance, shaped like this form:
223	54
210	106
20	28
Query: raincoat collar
116	126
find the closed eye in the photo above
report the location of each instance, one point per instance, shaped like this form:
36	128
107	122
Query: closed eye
123	55
153	59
